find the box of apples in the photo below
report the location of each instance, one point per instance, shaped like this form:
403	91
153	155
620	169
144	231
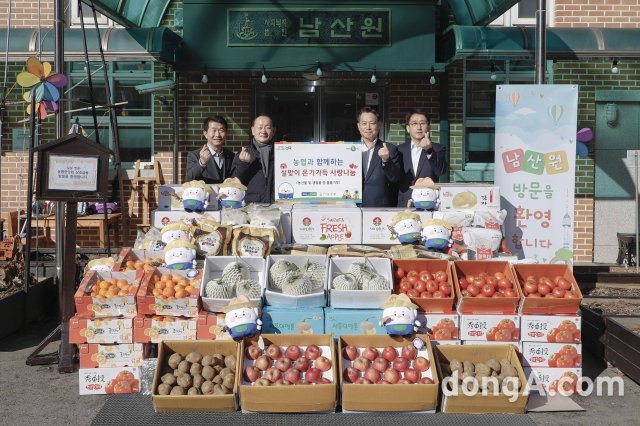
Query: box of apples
289	373
367	361
548	289
108	294
170	292
486	287
428	283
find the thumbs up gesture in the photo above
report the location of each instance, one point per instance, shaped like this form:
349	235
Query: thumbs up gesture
384	153
244	156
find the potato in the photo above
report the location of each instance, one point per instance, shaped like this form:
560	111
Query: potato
169	379
207	388
227	390
164	389
196	368
194	357
194	391
467	374
177	372
483	368
218	379
218	360
230	362
228	381
174	360
505	361
217	369
217	390
509	371
225	372
492	387
456	365
198	380
185	380
494	365
208	372
184	366
470	384
468	366
207	360
511	384
177	390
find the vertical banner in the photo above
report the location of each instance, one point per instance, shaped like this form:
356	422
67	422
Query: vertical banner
535	168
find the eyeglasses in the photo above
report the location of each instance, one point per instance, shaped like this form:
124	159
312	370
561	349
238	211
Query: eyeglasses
418	124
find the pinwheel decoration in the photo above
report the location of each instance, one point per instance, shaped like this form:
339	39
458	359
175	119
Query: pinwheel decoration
44	86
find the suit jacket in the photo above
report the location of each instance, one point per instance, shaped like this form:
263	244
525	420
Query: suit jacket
433	167
210	173
259	186
378	185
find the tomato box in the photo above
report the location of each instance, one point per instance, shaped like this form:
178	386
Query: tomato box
531	276
154	329
440	326
431	276
103	330
170	292
130	259
479	281
107	294
358	299
94	355
554	379
293	399
113	380
551	328
555	355
316	299
211	327
398	396
213	267
499	328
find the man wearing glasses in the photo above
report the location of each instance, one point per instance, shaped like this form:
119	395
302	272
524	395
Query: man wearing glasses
212	163
254	165
420	157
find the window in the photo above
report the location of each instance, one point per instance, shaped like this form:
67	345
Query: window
523	14
135	118
87	13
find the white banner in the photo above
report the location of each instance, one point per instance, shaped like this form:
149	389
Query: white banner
73	173
535	168
316	172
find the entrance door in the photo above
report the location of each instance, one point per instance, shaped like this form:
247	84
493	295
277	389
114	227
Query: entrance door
617	131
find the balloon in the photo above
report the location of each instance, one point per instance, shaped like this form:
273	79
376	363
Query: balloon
584	135
514	98
581	150
555	112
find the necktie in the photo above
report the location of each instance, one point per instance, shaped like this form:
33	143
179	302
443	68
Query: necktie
365	161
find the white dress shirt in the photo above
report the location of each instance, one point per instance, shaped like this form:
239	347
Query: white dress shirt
365	148
416	150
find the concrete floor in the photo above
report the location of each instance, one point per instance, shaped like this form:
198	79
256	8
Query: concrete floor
40	395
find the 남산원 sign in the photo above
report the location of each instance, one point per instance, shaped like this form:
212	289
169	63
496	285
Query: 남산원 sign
73	173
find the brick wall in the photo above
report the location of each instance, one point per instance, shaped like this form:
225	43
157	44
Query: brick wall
599	13
24	13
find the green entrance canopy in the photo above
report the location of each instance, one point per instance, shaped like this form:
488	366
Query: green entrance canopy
132	13
562	43
479	12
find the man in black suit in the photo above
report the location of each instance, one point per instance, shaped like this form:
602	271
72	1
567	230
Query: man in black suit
212	163
380	162
420	157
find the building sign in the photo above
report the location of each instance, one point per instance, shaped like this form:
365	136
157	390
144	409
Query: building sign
535	168
316	172
309	27
73	173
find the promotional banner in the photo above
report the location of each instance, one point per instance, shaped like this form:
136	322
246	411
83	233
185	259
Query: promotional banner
535	147
317	172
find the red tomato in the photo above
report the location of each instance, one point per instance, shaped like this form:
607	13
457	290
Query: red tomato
412	273
465	293
400	273
563	336
488	290
405	285
559	292
442	334
503	336
463	283
544	289
568	325
571	295
531	278
426	294
421	286
565	284
447	323
492	281
557	278
413	293
530	288
507	324
437	294
491	334
425	275
484	274
432	286
565	361
568	350
504	283
498	275
445	289
473	290
510	293
470	278
553	361
498	294
413	279
478	280
440	276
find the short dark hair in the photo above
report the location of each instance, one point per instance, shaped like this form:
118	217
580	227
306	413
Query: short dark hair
216	119
416	111
262	115
365	110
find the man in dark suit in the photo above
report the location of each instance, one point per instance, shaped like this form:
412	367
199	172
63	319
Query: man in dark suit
212	163
420	157
254	165
380	162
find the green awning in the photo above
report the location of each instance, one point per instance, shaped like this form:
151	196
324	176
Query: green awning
118	44
132	13
562	43
478	12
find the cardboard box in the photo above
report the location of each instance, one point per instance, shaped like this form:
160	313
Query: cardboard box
120	355
147	329
292	321
294	399
101	307
515	345
213	267
326	224
441	327
430	305
160	218
353	321
396	397
376	223
539	305
545	328
501	328
465	196
359	299
211	327
148	304
542	354
107	330
195	403
101	381
482	404
275	297
128	256
169	198
549	378
445	342
485	305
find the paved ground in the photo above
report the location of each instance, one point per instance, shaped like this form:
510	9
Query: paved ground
40	395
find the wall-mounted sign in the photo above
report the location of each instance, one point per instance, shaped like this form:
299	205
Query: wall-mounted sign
309	27
73	173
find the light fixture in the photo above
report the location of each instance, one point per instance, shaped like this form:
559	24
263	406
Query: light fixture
555	64
373	76
614	67
493	71
432	79
263	79
205	77
319	71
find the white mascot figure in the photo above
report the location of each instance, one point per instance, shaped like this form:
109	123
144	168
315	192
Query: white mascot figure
231	193
180	254
399	315
406	227
425	195
242	318
195	196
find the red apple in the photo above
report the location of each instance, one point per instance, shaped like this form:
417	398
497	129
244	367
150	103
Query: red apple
426	381
251	374
293	352
301	364
389	353
312	352
350	352
350	375
404	382
380	364
411	375
392	376
281	382
283	363
323	381
312	375
253	352
363	381
421	364
400	363
292	375
263	362
323	363
409	351
361	363
302	382
372	374
273	374
273	351
370	354
263	382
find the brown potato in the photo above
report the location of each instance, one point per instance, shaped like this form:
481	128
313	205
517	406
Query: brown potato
217	390
207	360
208	372
194	357
230	362
169	379
184	366
174	360
164	389
228	381
494	365
218	379
177	390
198	380
207	388
185	380
194	391
196	368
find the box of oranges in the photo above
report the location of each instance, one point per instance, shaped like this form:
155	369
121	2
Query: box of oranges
170	292
154	329
131	259
108	294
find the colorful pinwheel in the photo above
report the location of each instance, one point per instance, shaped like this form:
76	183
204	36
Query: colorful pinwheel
44	86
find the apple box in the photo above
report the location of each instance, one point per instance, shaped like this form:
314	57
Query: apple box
160	218
130	259
275	297
107	303
353	321
464	196
358	299
326	224
546	305
152	297
292	321
432	266
119	355
170	198
554	355
554	380
112	380
195	403
498	328
293	399
441	327
154	329
395	397
547	328
376	224
213	267
103	330
211	327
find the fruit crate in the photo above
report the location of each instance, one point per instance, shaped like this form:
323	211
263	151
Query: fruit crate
150	304
540	305
428	305
88	306
358	299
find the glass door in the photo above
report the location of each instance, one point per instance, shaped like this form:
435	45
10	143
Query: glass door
293	113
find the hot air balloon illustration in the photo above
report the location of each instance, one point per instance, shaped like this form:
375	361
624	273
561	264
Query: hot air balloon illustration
555	112
514	98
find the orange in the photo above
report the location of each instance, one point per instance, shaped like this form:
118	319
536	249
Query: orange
189	289
168	292
160	285
157	292
165	277
169	284
123	293
103	284
180	294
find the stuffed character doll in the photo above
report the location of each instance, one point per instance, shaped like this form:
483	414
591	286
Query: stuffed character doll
436	234
399	315
231	193
195	196
176	231
242	318
180	254
406	227
425	195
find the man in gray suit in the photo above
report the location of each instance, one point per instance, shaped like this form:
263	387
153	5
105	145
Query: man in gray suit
212	163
